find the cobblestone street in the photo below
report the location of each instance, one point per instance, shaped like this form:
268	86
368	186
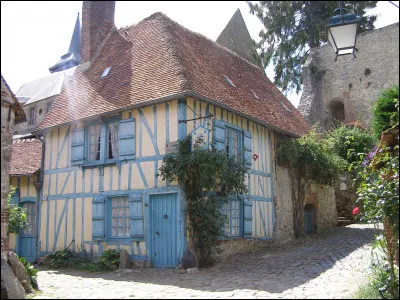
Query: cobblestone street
328	265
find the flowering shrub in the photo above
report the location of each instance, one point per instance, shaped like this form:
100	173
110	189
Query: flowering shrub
378	195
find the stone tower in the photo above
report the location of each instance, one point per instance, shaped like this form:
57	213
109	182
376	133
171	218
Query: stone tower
346	90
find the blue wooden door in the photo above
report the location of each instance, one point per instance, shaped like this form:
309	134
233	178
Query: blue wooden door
308	220
27	240
163	231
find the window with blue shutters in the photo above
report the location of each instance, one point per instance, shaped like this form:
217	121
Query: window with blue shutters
98	220
235	142
109	141
117	217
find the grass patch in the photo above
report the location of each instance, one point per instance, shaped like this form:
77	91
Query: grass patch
367	291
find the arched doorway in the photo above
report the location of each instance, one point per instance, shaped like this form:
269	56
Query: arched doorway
336	111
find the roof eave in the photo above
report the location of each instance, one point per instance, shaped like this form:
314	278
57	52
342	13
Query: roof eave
175	97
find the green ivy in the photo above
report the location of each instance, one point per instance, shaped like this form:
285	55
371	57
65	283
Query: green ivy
346	141
17	219
309	160
201	173
386	110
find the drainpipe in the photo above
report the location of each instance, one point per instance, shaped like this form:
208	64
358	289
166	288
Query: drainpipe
38	187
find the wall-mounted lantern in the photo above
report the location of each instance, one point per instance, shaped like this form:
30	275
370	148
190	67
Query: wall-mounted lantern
342	32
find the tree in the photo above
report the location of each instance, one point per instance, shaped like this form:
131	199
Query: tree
293	27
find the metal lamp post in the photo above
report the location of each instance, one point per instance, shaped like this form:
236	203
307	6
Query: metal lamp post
342	32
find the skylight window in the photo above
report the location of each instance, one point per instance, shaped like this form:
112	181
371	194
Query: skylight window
285	107
254	95
106	71
229	81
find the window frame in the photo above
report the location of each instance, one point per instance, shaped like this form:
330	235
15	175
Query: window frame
108	218
32	112
228	132
104	141
239	218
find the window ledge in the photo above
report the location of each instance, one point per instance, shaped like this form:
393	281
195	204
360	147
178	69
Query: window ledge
97	164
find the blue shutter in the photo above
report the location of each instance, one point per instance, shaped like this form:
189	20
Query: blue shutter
247	142
219	135
247	217
136	215
126	136
77	146
98	210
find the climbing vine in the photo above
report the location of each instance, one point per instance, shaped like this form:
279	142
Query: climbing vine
309	160
207	178
17	219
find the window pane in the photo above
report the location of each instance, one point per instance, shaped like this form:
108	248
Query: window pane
120	217
113	141
31	218
94	143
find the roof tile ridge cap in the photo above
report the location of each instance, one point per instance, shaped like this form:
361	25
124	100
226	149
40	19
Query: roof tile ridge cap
174	52
215	43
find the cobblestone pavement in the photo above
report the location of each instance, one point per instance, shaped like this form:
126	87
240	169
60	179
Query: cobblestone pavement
332	264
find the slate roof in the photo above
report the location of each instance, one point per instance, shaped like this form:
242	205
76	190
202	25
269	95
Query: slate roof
158	58
236	37
43	88
26	157
73	56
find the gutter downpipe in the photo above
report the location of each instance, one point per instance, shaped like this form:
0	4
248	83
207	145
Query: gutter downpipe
39	192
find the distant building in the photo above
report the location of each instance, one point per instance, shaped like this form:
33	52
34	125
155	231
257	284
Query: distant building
37	97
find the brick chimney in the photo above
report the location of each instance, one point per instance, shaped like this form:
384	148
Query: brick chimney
97	27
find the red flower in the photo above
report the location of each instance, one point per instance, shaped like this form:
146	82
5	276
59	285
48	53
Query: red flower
356	211
197	218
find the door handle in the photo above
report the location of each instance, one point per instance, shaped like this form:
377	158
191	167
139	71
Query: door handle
157	233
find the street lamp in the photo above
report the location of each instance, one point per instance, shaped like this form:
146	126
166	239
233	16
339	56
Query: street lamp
342	32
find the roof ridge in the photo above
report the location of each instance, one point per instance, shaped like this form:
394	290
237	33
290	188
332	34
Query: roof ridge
208	39
171	47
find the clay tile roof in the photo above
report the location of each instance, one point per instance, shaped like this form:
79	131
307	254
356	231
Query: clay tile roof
157	58
26	157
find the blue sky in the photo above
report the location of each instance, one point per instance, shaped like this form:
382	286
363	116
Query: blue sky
34	34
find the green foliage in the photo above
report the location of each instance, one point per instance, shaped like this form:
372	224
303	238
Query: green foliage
61	259
109	260
385	274
378	192
386	110
198	173
309	160
348	141
291	28
66	258
31	271
17	219
367	291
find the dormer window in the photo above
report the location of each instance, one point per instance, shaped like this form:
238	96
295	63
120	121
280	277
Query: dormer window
285	107
254	95
106	71
229	81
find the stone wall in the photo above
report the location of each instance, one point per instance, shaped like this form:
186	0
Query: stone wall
7	127
283	204
41	111
350	83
